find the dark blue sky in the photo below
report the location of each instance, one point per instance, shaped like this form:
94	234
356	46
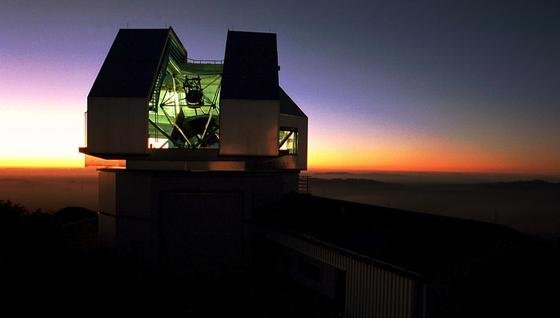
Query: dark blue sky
422	85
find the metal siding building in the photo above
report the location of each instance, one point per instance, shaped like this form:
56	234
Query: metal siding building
396	263
372	289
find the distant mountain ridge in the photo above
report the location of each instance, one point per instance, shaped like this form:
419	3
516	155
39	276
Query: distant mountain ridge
435	177
525	184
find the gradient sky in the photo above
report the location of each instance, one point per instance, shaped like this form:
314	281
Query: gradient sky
387	85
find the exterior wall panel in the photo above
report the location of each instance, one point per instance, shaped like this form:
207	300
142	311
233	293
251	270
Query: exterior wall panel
249	127
117	125
107	184
371	290
136	206
202	233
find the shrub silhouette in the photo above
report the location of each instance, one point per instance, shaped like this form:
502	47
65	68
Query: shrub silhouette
9	210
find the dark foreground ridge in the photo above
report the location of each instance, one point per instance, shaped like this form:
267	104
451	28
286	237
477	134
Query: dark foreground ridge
50	264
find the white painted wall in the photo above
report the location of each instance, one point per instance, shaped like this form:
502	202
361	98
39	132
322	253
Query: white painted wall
249	127
117	125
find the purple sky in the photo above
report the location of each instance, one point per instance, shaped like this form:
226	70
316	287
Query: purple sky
449	85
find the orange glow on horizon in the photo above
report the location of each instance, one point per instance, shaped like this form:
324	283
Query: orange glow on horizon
43	138
50	138
329	162
426	155
422	163
41	163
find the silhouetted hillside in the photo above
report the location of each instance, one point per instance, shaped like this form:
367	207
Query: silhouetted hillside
529	206
49	189
50	265
527	185
73	214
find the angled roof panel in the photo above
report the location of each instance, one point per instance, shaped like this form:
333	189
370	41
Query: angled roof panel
250	66
130	68
288	106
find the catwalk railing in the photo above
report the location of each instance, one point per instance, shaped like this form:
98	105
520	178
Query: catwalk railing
193	61
303	184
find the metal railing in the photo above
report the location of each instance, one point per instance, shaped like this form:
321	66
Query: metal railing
193	61
303	184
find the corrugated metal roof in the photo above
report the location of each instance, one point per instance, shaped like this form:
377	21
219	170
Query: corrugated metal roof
250	66
130	68
419	242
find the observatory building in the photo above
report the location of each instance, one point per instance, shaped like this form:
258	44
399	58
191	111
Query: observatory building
156	108
213	150
205	143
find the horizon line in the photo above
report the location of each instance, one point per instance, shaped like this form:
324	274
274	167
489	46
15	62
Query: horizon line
353	171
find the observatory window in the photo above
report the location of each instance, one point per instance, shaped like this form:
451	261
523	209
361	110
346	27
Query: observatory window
287	141
184	107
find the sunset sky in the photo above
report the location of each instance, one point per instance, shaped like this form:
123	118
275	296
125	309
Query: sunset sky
387	85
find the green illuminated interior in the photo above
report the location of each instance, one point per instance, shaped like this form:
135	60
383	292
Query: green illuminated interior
184	106
287	141
177	122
